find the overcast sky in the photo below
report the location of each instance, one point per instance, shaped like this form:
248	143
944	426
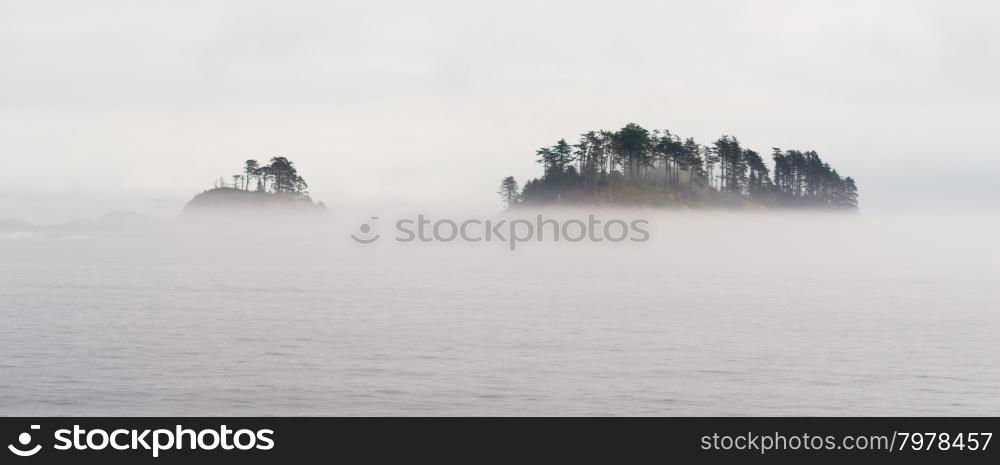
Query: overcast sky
141	104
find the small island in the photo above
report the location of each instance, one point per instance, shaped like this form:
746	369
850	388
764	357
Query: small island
637	167
275	187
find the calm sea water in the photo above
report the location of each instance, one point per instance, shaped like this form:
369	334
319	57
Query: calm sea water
715	315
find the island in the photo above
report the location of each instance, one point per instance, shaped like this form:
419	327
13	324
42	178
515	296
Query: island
274	188
634	166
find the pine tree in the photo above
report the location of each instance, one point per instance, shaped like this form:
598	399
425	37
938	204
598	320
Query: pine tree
509	191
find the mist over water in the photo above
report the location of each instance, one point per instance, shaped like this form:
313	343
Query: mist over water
202	304
717	314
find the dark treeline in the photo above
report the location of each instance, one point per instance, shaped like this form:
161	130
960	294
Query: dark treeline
635	165
275	188
278	176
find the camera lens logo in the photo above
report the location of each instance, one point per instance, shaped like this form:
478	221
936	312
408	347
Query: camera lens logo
24	439
366	236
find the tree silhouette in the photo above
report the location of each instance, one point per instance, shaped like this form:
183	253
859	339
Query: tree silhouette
693	162
633	142
250	168
722	173
280	175
264	175
509	191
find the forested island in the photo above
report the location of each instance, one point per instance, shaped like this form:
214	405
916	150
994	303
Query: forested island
634	166
276	187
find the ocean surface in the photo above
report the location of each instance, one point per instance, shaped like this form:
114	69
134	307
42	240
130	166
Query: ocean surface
721	314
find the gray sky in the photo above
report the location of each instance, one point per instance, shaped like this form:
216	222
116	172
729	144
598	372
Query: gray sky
109	105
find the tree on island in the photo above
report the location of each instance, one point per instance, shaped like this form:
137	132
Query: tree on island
250	168
637	165
275	187
633	143
279	176
286	177
509	191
